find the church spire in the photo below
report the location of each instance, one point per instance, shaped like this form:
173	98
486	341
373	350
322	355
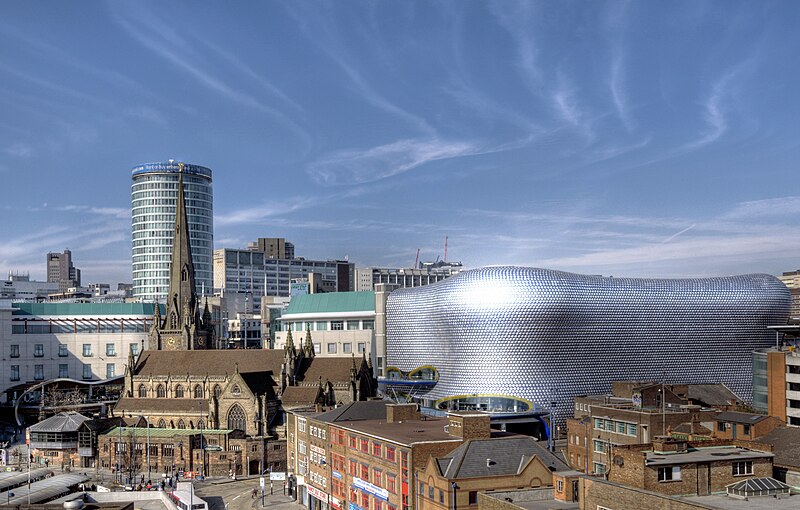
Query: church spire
181	271
308	347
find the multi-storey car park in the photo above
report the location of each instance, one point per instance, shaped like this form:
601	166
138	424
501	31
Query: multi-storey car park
154	193
521	342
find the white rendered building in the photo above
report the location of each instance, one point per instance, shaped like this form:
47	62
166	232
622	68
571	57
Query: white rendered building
341	323
84	341
154	193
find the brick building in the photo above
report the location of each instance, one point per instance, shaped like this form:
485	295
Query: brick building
746	426
676	467
634	413
364	456
480	465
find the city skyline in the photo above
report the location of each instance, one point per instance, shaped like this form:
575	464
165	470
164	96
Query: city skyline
610	138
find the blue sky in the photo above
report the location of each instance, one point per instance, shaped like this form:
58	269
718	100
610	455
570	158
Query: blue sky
633	139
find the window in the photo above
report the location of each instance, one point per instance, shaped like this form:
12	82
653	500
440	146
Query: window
160	392
237	419
351	325
362	346
347	348
301	424
87	371
337	325
743	468
746	429
15	351
331	348
15	372
721	426
62	351
38	372
317	348
560	486
198	392
179	391
364	447
631	429
110	372
87	350
111	350
669	473
38	351
134	349
322	326
620	427
599	468
391	483
599	446
473	497
376	449
598	424
390	453
441	496
63	370
430	491
142	391
368	325
217	390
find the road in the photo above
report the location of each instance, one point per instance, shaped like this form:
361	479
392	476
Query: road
237	496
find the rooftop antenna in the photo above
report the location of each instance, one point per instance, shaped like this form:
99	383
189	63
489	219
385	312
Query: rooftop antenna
416	261
445	250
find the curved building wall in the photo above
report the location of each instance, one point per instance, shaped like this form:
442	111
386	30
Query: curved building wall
543	335
154	193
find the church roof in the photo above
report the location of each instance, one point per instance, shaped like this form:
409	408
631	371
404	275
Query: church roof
299	394
210	362
138	406
333	369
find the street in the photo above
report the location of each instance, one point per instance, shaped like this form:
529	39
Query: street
236	495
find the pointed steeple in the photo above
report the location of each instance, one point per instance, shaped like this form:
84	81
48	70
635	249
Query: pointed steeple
182	299
308	347
156	317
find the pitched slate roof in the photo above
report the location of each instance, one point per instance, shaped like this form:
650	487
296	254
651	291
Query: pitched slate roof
299	394
211	362
62	422
785	443
736	417
713	394
333	369
356	411
496	457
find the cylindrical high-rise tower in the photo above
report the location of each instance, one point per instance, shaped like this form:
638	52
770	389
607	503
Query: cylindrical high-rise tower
154	193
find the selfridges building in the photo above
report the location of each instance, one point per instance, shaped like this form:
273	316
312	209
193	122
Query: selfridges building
522	340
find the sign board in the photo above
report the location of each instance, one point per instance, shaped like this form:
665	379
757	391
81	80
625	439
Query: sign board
336	474
367	487
353	506
261	482
277	476
317	493
336	503
298	289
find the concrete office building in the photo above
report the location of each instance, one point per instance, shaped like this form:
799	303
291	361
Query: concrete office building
273	247
519	339
776	377
254	273
154	193
60	270
368	277
20	287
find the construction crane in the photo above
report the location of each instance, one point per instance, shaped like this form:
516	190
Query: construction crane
416	261
445	250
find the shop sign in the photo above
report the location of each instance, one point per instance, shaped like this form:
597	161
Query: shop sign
376	491
336	503
353	506
336	474
317	493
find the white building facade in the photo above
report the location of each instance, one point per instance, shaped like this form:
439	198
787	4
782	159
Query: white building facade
83	341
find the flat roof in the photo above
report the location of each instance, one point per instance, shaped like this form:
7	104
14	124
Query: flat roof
723	502
404	432
333	302
710	454
91	309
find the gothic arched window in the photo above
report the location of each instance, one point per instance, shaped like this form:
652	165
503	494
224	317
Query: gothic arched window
181	424
173	320
217	390
162	424
160	392
198	391
236	391
142	391
237	420
200	424
179	391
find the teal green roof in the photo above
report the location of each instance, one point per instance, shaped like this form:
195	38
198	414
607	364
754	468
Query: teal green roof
333	302
73	309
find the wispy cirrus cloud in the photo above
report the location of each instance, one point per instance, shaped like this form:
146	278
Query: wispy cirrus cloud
152	32
383	161
19	150
716	107
116	212
781	206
